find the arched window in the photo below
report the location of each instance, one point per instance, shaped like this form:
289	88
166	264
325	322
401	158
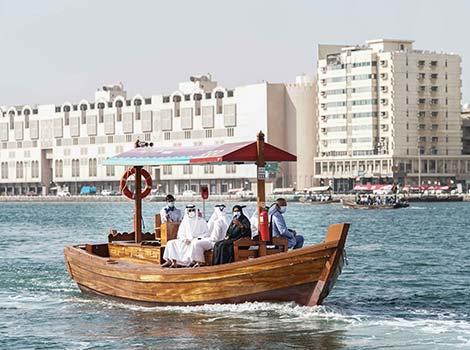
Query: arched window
27	113
92	167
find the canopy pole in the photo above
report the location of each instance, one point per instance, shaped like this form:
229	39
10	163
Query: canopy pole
138	205
260	165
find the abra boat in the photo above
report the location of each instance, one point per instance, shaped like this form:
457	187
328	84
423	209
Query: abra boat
353	205
127	267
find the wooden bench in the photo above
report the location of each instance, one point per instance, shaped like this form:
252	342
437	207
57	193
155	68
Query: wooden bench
246	248
114	236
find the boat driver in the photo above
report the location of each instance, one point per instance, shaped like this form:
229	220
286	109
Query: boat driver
279	226
169	213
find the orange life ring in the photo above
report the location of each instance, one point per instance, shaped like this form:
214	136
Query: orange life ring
127	192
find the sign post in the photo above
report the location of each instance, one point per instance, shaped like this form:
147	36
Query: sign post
204	196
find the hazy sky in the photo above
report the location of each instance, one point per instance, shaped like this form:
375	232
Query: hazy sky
54	51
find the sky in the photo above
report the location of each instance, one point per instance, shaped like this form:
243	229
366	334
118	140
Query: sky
52	51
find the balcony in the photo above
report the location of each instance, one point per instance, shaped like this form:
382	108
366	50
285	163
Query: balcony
383	63
421	114
434	76
433	64
384	76
421	64
384	101
421	76
384	88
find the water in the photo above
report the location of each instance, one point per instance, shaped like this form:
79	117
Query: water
407	286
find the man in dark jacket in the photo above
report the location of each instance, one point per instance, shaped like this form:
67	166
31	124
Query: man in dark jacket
239	227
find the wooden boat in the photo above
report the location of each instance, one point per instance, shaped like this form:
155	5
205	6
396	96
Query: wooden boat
353	205
127	267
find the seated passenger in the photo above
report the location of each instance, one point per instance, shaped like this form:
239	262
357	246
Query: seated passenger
177	251
239	227
169	213
218	224
279	226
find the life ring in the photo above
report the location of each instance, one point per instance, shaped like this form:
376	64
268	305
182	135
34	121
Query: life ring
127	192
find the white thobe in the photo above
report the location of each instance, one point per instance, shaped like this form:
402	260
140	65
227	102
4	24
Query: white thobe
179	249
218	224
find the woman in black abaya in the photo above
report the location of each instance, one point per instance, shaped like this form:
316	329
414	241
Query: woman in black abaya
239	227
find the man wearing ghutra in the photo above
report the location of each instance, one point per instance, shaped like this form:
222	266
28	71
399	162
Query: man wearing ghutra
169	213
218	225
177	251
239	227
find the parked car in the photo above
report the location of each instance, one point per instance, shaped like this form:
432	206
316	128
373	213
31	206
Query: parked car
189	193
88	190
63	193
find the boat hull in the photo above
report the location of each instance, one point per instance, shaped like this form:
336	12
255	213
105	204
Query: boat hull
304	276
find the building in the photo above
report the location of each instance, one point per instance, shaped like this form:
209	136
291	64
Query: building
388	113
45	146
466	129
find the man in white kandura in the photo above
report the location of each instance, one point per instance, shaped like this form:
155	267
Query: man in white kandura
218	225
177	251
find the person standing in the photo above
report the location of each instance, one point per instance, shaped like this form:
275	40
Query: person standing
279	226
218	225
239	227
177	251
170	213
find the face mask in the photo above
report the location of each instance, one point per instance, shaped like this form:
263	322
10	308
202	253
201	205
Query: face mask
192	214
237	214
171	204
283	210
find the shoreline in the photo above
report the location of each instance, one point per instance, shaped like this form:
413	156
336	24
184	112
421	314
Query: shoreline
123	199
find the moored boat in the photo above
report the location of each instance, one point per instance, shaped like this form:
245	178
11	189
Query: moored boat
354	205
128	267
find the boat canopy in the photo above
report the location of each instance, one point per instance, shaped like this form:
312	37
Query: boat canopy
287	190
239	153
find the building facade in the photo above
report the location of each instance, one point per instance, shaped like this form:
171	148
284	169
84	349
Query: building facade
388	113
45	146
466	129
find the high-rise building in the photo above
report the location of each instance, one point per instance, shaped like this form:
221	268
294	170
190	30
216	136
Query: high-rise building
388	113
64	145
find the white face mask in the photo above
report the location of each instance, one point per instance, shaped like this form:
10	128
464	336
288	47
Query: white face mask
171	204
283	209
191	214
237	214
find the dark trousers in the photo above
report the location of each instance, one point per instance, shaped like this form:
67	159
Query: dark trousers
223	252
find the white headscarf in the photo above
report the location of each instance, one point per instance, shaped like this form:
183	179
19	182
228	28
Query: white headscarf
192	227
218	224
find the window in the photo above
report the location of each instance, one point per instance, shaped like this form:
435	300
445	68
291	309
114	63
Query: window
19	170
208	169
208	95
230	169
147	137
110	170
208	133
59	168
4	170
92	167
187	134
167	170
92	140
128	138
187	169
166	99
110	139
167	136
148	101
75	167
187	97
229	93
230	131
75	141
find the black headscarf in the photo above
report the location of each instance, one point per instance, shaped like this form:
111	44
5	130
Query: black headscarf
235	232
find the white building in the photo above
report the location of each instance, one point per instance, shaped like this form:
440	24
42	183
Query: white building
47	145
388	113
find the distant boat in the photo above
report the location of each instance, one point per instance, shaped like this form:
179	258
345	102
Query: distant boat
353	205
432	193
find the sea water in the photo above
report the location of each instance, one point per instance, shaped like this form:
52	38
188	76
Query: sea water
406	285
